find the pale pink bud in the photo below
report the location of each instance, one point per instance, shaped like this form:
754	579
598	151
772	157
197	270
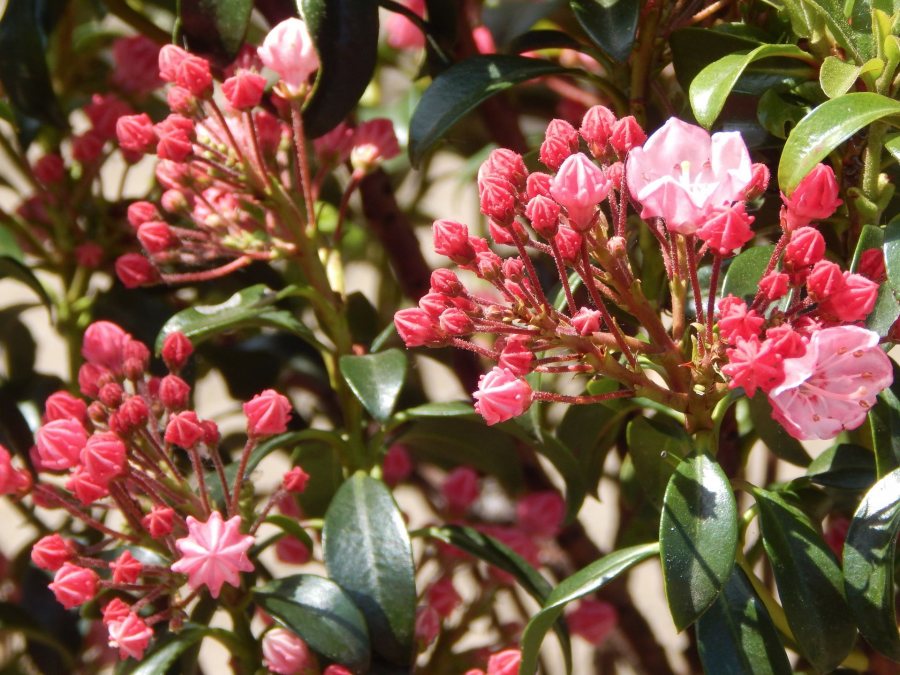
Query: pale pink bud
244	90
586	321
596	128
515	356
59	444
115	610
184	429
501	396
170	58
460	489
176	350
267	414
560	141
446	282
538	184
130	635
506	164
287	654
62	405
455	322
103	344
140	213
814	198
50	552
288	50
497	198
135	270
568	241
103	456
854	300
111	394
74	585
193	74
89	376
85	487
374	141
136	133
824	280
132	414
182	101
580	186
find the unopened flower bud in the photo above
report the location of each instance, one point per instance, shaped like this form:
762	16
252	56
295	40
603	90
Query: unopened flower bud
134	270
814	198
295	480
244	90
596	128
543	213
136	133
174	392
774	285
580	186
806	248
74	585
267	414
455	322
50	552
560	141
501	396
460	489
289	51
184	429
586	321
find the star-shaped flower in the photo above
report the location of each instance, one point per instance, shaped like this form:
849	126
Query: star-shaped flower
213	553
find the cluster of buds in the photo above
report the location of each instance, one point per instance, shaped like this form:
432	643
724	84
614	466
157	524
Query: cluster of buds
227	171
135	464
692	191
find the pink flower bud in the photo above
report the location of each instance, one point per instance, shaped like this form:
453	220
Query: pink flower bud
568	241
397	465
586	321
541	514
593	620
50	552
774	285
501	396
538	184
786	342
126	569
103	344
871	265
484	40
814	198
62	405
824	280
184	429
373	142
130	635
759	182
446	282
103	456
515	356
580	186
140	213
136	59
291	550
854	300
156	236
49	169
267	414
134	270
287	654
417	328
737	321
74	585
497	198
451	239
596	128
442	596
104	111
174	392
85	487
455	322
505	662
506	164
159	521
115	610
403	33
89	376
59	444
460	489
727	229
193	74
244	90
170	59
335	669
295	480
288	50
176	350
434	304
806	248
543	213
131	415
560	141
136	133
182	101
626	134
428	625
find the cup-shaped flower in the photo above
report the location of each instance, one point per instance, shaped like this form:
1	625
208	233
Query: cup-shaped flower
501	396
213	553
682	173
580	186
288	50
832	386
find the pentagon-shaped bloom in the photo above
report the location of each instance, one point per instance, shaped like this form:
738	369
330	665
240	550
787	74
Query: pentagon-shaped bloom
213	553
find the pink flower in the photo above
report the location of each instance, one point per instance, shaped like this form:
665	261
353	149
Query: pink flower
832	386
774	285
74	585
295	480
853	300
541	514
373	142
806	248
814	198
505	662
681	174
213	553
460	489
136	58
737	321
403	33
442	596
397	465
287	654
753	364
580	186
130	635
103	457
59	444
51	552
115	610
593	620
288	50
586	321
267	414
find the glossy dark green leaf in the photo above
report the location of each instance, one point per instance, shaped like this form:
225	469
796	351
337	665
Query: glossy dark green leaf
884	419
777	115
825	128
459	89
611	24
745	271
441	409
870	237
291	527
23	67
322	461
844	466
698	536
253	306
780	442
376	379
323	614
655	448
808	580
368	552
163	654
346	36
737	636
713	84
215	28
584	582
10	268
536	40
886	311
869	565
695	48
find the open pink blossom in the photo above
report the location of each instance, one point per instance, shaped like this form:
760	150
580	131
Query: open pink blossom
682	173
501	396
832	386
213	553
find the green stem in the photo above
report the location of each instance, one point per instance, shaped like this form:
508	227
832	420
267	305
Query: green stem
872	163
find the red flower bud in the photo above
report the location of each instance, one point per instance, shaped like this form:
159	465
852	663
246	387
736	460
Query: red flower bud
159	521
560	141
806	248
135	270
543	213
184	429
50	552
176	350
136	133
596	128
295	480
627	134
74	585
244	90
174	392
814	198
267	414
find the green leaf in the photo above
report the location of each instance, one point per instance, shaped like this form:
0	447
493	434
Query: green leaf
811	18
611	24
712	85
745	271
776	115
440	409
584	582
737	636
808	580
695	48
345	33
10	268
459	89
870	237
9	246
892	253
368	552
869	565
825	128
253	306
884	419
886	310
322	613
165	653
215	28
376	379
844	466
836	77
780	442
292	528
698	536
536	40
651	442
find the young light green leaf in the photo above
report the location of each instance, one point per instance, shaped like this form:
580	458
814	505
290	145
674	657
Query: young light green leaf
745	271
869	565
737	636
698	537
870	237
892	253
368	552
582	583
836	76
825	128
322	613
809	581
376	379
611	24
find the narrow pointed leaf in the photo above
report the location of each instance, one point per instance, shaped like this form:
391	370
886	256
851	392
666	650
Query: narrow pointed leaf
869	552
320	612
809	582
165	653
697	537
611	24
582	583
650	443
11	268
737	636
376	379
368	552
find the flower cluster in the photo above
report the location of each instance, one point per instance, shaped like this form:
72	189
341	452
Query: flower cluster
135	464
